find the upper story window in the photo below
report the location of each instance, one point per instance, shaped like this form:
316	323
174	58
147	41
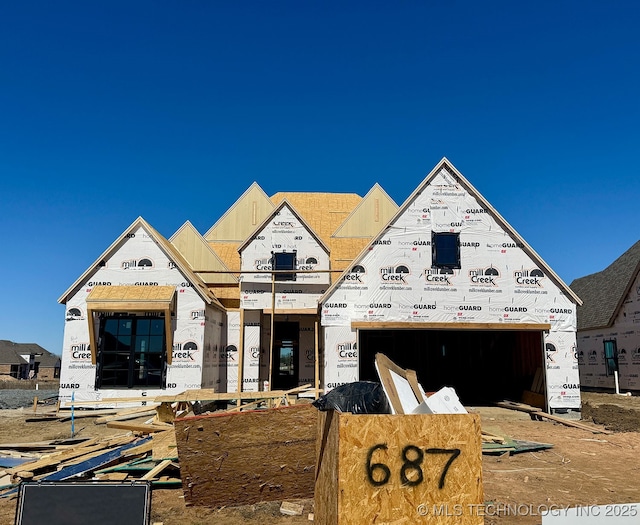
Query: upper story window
284	261
445	250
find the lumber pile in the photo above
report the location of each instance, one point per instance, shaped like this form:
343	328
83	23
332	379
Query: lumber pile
147	449
122	457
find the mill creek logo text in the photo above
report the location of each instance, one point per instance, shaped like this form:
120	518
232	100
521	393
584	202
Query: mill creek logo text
133	264
81	351
529	277
184	351
394	274
438	276
347	350
355	275
484	276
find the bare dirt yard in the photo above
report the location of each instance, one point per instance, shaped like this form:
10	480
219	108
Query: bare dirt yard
582	467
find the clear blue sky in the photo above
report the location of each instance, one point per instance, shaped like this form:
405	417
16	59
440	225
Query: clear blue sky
170	110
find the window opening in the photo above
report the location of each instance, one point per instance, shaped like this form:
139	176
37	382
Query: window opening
284	261
445	250
131	352
611	356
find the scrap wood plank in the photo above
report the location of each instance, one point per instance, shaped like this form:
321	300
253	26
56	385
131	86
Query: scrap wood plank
90	465
536	412
147	446
520	407
56	457
123	415
157	469
211	395
111	401
488	437
42	445
136	427
66	415
164	445
572	423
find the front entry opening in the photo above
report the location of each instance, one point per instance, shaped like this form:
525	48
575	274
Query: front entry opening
284	375
482	366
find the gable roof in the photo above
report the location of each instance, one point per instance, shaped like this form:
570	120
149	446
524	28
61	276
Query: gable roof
171	252
371	213
446	165
242	217
11	354
604	292
200	255
323	214
277	209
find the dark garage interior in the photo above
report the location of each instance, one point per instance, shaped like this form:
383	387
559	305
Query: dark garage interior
483	366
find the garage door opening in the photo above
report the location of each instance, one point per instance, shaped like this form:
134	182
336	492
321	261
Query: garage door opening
482	366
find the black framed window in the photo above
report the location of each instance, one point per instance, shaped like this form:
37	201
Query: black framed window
131	352
284	261
445	250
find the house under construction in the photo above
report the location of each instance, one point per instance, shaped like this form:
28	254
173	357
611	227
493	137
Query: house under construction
305	288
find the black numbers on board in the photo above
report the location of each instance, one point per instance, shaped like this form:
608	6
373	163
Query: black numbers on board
411	473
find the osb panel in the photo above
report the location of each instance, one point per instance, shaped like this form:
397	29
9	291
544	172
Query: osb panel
226	292
131	293
228	253
393	469
326	489
344	251
164	445
324	212
247	457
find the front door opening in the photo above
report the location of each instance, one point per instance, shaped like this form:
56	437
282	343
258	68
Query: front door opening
284	375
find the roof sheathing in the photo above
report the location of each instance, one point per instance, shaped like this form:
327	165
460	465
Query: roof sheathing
323	212
604	292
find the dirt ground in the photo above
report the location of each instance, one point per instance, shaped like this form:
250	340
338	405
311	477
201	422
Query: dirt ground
582	468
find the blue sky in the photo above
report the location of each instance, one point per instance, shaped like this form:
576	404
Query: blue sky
170	110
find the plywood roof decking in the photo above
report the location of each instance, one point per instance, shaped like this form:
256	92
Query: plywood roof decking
324	212
131	294
228	253
345	250
604	292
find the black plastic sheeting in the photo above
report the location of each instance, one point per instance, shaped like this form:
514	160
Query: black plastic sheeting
360	397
